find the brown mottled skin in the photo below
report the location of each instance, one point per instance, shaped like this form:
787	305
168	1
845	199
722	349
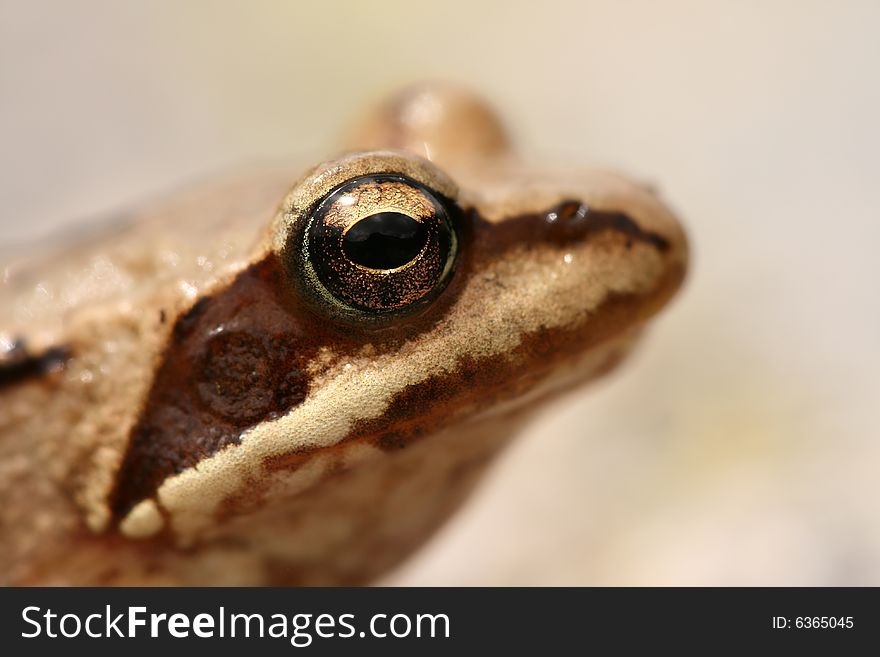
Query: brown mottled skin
178	405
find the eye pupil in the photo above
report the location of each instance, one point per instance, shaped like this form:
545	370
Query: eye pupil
385	240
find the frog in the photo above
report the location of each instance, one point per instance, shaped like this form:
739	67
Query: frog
295	375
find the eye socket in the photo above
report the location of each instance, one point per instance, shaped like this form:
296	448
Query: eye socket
380	244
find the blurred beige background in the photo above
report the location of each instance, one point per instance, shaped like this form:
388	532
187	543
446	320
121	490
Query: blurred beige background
741	444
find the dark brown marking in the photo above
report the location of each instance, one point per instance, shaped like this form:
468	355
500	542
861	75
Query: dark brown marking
17	365
567	223
234	359
239	357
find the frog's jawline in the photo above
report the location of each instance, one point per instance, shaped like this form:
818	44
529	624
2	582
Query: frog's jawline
240	357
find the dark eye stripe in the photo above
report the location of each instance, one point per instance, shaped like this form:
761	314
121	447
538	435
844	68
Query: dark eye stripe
18	365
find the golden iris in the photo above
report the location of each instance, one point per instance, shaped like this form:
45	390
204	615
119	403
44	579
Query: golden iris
381	243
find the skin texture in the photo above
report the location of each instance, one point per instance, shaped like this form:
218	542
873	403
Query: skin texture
179	405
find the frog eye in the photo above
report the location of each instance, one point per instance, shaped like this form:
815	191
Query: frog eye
380	244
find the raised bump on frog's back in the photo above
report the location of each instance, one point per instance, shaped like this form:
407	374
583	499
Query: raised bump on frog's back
442	122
